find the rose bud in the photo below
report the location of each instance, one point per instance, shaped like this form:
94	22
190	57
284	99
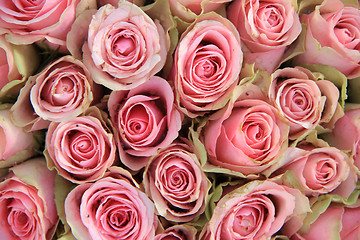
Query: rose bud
145	119
332	37
302	99
17	145
26	22
206	65
256	210
110	208
125	47
176	183
178	232
63	90
248	137
266	29
27	202
82	148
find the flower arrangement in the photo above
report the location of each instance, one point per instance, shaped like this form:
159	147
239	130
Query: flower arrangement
179	119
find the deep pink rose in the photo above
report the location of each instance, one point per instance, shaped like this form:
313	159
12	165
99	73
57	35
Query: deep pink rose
248	137
176	183
336	222
63	90
145	119
26	22
321	170
207	64
110	208
82	148
125	47
188	10
256	210
27	205
266	27
302	99
177	232
333	37
16	145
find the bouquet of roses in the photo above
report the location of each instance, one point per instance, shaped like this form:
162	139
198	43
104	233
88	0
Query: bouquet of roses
179	119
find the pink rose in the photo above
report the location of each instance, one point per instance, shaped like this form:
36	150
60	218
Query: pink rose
125	47
176	183
207	64
63	90
14	64
346	135
188	10
320	170
27	202
333	37
266	27
110	208
248	137
82	148
178	232
145	119
26	22
256	210
17	145
302	99
336	222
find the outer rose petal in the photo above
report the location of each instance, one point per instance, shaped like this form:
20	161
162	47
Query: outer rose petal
125	47
145	119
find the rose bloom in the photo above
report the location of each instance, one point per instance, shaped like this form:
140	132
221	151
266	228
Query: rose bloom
125	47
27	202
26	22
206	65
267	28
320	170
346	135
178	232
333	37
81	149
188	10
302	99
145	119
336	222
110	208
256	210
248	137
63	90
176	183
17	145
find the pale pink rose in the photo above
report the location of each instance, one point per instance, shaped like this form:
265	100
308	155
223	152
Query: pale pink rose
176	183
16	145
346	134
178	232
320	170
82	148
336	222
145	119
26	22
63	90
206	65
255	211
110	208
333	37
8	69
266	27
125	47
27	205
302	99
188	10
249	137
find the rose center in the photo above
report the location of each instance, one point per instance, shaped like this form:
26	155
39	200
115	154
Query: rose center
123	45
19	222
206	68
245	220
325	171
